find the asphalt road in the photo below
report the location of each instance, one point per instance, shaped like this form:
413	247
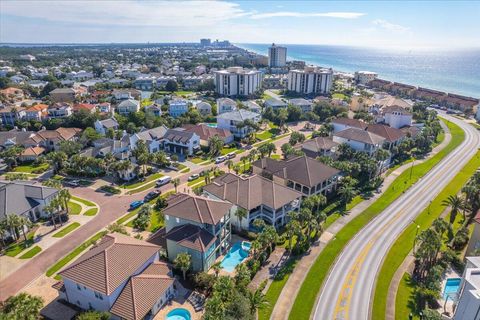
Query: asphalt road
112	207
349	288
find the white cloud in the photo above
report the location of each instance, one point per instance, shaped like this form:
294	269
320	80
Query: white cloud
389	26
342	15
128	12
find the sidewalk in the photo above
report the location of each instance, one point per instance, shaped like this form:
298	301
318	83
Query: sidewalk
287	297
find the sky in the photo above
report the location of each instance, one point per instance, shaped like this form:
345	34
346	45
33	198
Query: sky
402	24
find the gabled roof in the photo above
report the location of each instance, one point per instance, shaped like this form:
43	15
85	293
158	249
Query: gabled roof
303	170
142	292
152	134
195	208
33	151
178	135
390	134
360	135
238	115
206	132
355	123
272	102
300	102
319	143
129	104
191	236
109	123
251	192
397	109
109	263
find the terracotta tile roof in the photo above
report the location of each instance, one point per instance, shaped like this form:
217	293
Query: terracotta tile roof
198	209
319	143
304	170
38	107
252	191
360	135
83	106
191	236
355	123
109	263
206	132
142	292
389	133
59	134
33	151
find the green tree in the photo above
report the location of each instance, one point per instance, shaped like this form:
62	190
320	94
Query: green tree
171	86
257	300
242	276
183	261
57	160
456	203
215	145
22	307
93	315
241	214
118	228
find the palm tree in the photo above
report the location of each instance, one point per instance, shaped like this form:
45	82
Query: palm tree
52	183
25	222
176	183
456	203
65	196
183	261
253	155
3	231
215	145
229	164
257	300
216	267
241	214
22	306
293	227
116	227
346	192
14	222
244	160
50	209
57	160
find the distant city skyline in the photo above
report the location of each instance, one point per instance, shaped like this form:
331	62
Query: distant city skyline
438	24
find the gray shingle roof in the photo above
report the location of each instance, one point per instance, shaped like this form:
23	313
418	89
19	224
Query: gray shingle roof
360	135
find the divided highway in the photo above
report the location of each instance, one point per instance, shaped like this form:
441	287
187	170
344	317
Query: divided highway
348	290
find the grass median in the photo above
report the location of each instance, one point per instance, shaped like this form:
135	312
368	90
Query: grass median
31	253
404	243
63	232
306	298
84	201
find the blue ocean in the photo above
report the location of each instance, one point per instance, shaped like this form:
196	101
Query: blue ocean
451	71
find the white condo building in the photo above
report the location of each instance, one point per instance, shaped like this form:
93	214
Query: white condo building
310	80
364	77
236	81
277	56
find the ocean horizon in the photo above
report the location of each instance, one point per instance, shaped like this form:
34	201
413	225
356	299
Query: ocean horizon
453	71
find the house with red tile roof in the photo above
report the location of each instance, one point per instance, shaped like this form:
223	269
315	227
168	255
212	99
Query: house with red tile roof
84	106
120	275
36	112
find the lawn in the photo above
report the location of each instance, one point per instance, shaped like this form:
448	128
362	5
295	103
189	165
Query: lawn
156	221
74	208
69	257
276	156
340	96
31	168
109	189
310	288
84	201
197	160
404	293
191	183
267	134
91	212
404	243
276	288
134	185
178	93
15	248
31	253
63	232
228	150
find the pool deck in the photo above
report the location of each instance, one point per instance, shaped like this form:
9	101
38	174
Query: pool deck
449	306
180	301
223	272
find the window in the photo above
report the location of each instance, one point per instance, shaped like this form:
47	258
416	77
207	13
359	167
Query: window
90	306
78	287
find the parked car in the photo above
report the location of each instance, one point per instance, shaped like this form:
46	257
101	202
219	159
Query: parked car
220	159
152	195
73	183
163	181
193	177
136	204
231	155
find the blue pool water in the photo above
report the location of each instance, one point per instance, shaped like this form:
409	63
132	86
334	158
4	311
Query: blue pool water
212	125
452	286
178	314
235	255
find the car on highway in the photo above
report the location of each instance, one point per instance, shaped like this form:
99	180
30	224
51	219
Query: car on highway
193	177
220	159
163	181
136	204
231	155
152	195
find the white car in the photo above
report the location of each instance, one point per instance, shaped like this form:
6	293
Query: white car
231	155
163	181
220	159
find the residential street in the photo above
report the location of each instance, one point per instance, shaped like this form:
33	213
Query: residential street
348	290
111	208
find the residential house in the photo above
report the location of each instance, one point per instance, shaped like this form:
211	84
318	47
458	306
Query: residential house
25	199
468	299
303	174
154	109
473	247
59	110
206	132
122	94
31	154
62	95
235	122
14	94
181	142
101	126
397	117
128	106
393	137
340	124
37	112
360	140
177	107
87	107
199	226
260	197
226	105
120	275
253	106
104	107
145	82
204	108
9	114
320	146
275	103
153	138
51	139
303	104
22	138
120	149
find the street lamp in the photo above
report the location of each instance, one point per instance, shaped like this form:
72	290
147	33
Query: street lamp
415	239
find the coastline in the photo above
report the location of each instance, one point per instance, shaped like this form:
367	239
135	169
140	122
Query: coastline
456	83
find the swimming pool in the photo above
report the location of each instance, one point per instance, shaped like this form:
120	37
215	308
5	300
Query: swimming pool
178	314
212	125
237	253
451	286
